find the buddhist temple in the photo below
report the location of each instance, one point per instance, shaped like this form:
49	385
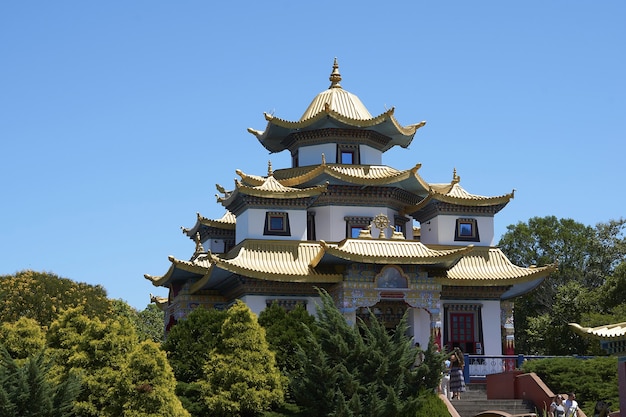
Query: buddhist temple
376	238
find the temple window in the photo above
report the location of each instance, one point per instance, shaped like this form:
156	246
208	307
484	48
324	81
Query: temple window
277	224
466	230
348	154
354	225
310	226
400	224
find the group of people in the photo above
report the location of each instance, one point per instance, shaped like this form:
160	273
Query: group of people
453	384
562	407
452	380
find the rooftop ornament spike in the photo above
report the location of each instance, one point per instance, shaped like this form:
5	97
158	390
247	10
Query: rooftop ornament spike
335	77
455	178
270	173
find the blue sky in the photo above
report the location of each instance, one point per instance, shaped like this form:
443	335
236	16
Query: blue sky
118	118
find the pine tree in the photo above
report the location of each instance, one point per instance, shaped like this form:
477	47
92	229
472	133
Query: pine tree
27	391
241	374
361	370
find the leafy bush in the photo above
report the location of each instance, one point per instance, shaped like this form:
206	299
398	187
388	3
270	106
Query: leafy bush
432	406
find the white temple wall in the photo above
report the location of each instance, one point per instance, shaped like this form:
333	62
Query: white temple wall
331	226
312	155
251	224
419	325
258	303
492	329
370	156
440	230
215	245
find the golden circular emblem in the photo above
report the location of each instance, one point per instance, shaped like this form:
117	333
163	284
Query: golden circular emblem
381	221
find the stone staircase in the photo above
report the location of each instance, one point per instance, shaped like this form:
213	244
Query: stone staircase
474	401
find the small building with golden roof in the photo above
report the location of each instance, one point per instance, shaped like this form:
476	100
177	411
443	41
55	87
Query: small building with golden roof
375	237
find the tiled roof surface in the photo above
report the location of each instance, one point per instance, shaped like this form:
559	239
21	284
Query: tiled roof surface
295	261
383	251
610	331
489	265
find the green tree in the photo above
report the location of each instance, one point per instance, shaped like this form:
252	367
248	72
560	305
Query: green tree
26	390
94	351
361	370
241	374
22	339
284	333
188	346
42	296
586	258
146	387
149	323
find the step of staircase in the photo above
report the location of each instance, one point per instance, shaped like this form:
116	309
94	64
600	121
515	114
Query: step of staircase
474	401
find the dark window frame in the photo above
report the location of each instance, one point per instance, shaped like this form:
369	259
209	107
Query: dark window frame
466	230
271	230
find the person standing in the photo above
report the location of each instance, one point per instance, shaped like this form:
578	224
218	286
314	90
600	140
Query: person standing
571	405
457	380
557	409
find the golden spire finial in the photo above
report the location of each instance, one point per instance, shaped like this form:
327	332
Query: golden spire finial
335	77
270	173
199	248
455	177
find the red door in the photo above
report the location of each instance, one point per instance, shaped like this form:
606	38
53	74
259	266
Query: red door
462	331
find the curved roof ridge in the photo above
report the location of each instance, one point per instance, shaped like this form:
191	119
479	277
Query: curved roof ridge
280	260
226	222
488	263
383	251
607	331
458	195
356	174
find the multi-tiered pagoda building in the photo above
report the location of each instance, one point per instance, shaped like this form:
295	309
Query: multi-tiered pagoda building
373	236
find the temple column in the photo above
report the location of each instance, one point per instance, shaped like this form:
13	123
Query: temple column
508	332
435	328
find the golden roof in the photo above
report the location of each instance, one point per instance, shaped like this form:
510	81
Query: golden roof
609	331
489	265
268	260
384	251
338	108
337	100
226	222
268	187
352	174
296	261
453	193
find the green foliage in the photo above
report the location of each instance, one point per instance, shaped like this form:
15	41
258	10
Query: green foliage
149	323
190	342
93	350
592	379
589	279
431	405
26	390
146	386
43	296
188	346
284	333
23	338
361	370
241	374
